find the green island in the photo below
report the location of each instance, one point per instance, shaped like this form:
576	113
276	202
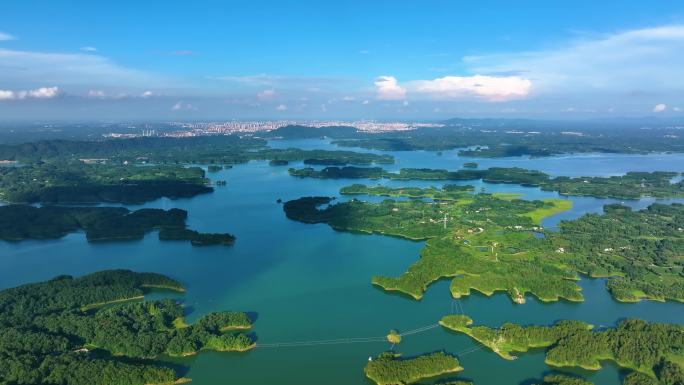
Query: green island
492	243
447	192
390	369
394	337
101	224
220	150
633	185
470	165
559	379
278	162
79	182
641	251
551	379
650	350
495	138
98	329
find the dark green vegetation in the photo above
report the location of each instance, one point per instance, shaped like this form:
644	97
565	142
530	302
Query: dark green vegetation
486	243
68	172
19	222
277	162
78	182
447	192
350	172
470	165
654	350
501	138
558	379
60	332
389	369
642	250
225	150
632	185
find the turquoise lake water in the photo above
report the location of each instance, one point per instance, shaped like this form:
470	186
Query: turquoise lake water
308	282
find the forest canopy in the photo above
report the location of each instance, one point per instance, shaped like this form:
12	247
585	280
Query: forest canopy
60	332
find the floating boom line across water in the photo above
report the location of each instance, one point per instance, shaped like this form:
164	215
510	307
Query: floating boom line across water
339	341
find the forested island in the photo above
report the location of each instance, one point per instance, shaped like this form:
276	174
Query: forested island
489	243
633	185
79	182
447	192
522	137
60	332
101	224
390	369
220	150
654	352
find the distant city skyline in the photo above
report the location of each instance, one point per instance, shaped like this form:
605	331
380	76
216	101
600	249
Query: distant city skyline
347	60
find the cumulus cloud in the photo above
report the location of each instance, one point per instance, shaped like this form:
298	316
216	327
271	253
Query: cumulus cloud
38	93
147	94
660	107
488	87
388	88
6	36
88	49
266	95
281	107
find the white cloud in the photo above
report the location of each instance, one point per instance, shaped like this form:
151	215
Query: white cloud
348	98
266	95
365	102
98	94
88	49
677	109
44	93
570	109
6	36
660	107
147	94
38	93
6	95
492	88
405	103
388	88
642	60
281	107
180	106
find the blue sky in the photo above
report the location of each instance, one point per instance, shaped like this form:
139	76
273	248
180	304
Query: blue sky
344	59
